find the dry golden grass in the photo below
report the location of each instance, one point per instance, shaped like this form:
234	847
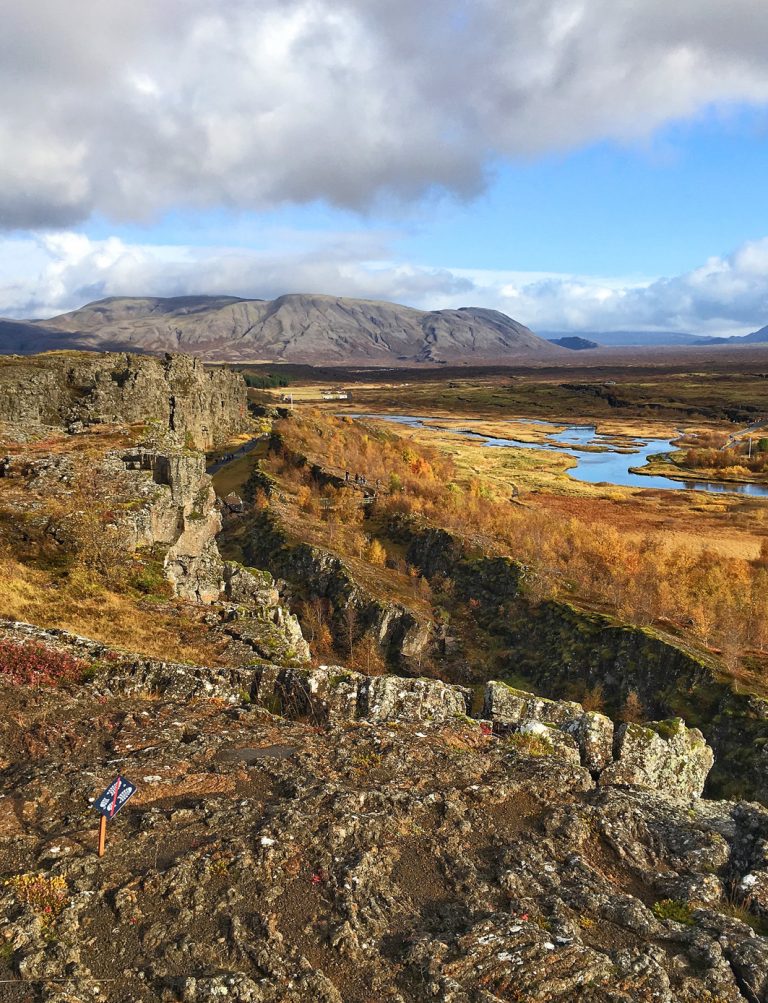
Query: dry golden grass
165	631
91	443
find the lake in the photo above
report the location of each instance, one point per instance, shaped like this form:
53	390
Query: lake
610	466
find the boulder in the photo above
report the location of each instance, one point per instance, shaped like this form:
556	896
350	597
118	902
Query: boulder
325	694
334	692
384	698
234	502
273	634
512	706
592	732
248	586
560	744
663	755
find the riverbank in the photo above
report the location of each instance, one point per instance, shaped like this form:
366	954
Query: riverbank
669	465
531	475
599	459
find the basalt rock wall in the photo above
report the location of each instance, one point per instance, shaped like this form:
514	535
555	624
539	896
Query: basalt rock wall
179	513
197	407
559	648
316	573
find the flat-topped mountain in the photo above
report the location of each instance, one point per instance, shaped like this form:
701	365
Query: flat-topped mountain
292	328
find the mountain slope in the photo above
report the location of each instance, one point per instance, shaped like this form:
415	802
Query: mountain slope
292	328
757	337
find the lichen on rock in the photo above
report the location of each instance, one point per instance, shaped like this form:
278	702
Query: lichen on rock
662	755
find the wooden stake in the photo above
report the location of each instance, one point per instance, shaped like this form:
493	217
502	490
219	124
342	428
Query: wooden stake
102	834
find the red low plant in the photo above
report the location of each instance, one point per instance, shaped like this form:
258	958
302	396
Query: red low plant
32	664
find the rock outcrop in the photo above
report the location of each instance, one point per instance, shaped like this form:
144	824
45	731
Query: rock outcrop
269	860
315	573
183	400
179	513
592	732
334	692
662	755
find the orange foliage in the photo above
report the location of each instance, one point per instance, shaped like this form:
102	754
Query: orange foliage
714	597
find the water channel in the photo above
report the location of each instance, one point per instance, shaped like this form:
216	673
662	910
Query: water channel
609	466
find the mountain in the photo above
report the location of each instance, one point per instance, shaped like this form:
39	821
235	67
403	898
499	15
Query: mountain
620	339
573	342
293	328
642	339
756	338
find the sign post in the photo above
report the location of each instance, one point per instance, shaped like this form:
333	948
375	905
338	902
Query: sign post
109	804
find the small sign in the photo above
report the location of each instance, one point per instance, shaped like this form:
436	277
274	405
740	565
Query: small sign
114	797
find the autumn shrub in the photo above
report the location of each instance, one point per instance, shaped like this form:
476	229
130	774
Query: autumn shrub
47	896
711	596
366	656
33	664
314	616
376	554
594	698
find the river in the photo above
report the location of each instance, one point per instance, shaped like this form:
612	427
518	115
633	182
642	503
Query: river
610	466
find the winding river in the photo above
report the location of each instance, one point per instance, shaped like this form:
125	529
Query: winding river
609	466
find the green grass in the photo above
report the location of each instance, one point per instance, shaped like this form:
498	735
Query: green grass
675	910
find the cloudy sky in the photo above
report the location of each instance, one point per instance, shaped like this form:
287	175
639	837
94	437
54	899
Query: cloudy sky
580	164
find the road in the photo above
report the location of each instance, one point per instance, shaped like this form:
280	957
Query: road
756	426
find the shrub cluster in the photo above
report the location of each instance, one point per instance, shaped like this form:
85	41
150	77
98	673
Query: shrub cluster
34	664
47	896
721	600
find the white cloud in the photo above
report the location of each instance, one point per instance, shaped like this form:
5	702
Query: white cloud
134	106
57	272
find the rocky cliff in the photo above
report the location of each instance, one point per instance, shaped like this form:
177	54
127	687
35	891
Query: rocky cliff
94	499
195	406
312	572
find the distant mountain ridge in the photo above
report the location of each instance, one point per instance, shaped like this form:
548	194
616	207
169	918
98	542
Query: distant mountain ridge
756	338
642	339
629	338
574	342
297	328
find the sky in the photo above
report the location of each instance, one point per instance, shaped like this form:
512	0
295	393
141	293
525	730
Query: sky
581	165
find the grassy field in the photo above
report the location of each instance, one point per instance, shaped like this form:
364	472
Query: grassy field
711	387
233	476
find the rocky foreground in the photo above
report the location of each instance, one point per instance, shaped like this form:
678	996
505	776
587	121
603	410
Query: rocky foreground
315	834
380	846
